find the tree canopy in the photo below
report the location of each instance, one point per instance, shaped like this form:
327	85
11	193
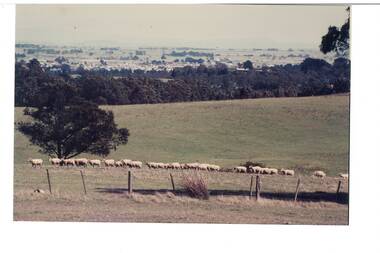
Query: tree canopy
65	125
248	64
337	40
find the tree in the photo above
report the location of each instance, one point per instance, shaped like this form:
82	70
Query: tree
65	125
336	39
248	64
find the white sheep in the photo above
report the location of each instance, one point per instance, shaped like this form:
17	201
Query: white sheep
152	165
81	162
213	167
255	169
192	165
109	162
95	162
202	166
68	162
35	162
319	173
136	164
161	165
273	171
343	175
126	162
55	161
175	166
289	172
119	164
266	171
240	169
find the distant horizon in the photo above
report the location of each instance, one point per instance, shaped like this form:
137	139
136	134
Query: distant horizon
198	26
160	47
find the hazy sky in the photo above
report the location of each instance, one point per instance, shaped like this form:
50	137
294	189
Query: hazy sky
225	26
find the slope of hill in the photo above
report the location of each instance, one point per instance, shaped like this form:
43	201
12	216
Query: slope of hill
281	132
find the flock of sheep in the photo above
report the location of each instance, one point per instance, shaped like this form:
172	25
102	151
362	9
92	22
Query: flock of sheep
84	162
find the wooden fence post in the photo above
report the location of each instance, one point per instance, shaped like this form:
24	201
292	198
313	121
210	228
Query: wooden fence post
130	182
172	180
297	189
338	190
258	187
84	184
251	187
48	178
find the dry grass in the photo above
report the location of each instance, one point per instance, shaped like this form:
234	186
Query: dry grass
195	186
153	201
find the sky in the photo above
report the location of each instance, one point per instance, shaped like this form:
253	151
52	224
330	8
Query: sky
205	26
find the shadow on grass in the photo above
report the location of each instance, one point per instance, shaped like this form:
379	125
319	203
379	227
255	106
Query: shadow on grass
302	196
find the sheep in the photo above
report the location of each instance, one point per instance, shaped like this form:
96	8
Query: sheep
240	169
273	171
260	170
136	164
81	162
250	169
343	175
152	165
227	169
192	165
255	169
55	161
35	162
68	162
287	172
319	173
266	171
161	165
109	162
216	167
175	165
203	166
126	162
213	167
95	162
119	164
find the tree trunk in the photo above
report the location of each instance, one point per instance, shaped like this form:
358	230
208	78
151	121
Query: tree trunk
59	150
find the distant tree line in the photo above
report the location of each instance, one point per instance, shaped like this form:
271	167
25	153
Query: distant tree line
115	87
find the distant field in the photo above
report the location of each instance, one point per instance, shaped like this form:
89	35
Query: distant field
281	132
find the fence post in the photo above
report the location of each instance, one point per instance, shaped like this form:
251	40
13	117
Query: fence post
297	189
338	190
172	180
251	187
48	178
130	182
258	187
84	184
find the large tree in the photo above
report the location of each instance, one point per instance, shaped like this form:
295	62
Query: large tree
337	40
65	125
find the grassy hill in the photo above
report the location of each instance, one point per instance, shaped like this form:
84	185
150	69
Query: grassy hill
281	132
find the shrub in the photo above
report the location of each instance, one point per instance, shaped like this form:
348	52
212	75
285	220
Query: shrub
250	163
195	186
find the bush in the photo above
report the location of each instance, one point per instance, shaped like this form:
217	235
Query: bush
253	164
195	186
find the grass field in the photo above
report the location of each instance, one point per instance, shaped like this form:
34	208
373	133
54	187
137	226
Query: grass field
153	201
281	132
310	132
